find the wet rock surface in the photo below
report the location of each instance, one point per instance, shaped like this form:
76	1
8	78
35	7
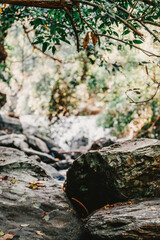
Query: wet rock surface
135	221
32	203
117	173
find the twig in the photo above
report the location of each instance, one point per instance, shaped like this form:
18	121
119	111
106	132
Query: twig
151	3
81	205
152	33
137	19
151	23
148	53
37	48
115	15
135	4
87	23
144	101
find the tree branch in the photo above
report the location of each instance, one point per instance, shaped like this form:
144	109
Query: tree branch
73	26
137	19
116	16
151	23
144	101
37	48
151	3
148	53
53	4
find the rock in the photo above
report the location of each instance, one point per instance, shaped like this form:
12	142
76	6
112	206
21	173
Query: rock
46	158
63	164
35	210
137	221
102	142
49	142
13	125
53	172
37	144
2	133
55	153
20	141
79	142
14	140
117	173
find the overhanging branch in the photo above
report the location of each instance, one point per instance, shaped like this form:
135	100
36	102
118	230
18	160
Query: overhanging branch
52	4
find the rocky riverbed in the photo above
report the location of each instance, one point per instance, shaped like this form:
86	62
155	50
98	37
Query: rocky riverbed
112	191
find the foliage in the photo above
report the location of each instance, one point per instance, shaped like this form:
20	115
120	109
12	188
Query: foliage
5	74
96	26
128	118
54	26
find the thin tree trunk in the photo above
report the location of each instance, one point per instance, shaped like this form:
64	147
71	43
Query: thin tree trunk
3	53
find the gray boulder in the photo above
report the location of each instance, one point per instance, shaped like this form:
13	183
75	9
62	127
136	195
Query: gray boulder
117	173
49	142
32	204
14	140
135	221
37	144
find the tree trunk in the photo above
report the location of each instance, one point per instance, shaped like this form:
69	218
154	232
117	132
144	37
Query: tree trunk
3	53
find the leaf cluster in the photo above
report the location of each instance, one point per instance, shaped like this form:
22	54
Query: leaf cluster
54	26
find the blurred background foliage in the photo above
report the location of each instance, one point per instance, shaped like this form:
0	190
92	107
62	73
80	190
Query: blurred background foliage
95	81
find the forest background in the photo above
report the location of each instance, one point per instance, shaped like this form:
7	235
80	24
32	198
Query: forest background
43	73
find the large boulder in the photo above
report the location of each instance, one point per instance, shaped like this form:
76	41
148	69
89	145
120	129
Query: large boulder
117	173
131	221
32	204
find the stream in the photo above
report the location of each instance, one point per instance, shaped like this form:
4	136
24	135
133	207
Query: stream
69	133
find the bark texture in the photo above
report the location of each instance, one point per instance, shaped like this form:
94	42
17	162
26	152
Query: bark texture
53	4
3	99
3	53
123	171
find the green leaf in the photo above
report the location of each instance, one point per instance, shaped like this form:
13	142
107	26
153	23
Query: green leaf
44	46
137	41
126	32
115	33
53	50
